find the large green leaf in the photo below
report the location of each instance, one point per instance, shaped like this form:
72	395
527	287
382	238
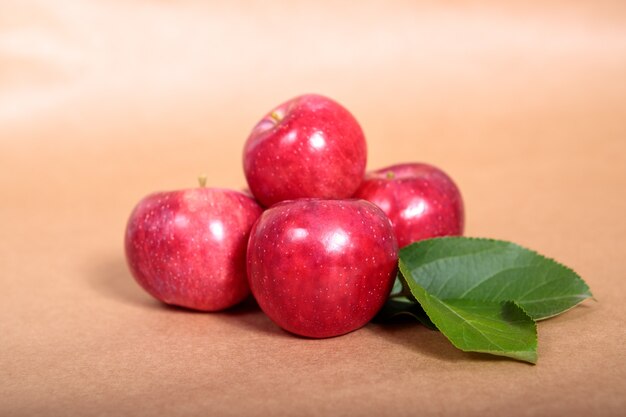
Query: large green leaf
484	294
492	270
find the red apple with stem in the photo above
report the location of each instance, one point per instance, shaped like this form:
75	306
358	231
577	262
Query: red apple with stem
188	247
420	200
322	268
307	147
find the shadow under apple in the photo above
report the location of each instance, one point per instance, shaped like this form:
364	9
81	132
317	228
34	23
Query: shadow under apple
113	280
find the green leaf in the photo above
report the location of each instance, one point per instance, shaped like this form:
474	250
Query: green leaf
484	294
498	328
492	270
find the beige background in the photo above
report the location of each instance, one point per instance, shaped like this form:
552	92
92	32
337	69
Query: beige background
102	102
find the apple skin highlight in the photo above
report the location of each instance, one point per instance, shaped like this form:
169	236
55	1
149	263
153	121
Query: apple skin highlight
322	268
188	248
308	147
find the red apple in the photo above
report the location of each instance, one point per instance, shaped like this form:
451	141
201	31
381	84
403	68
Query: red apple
308	147
188	247
420	200
322	268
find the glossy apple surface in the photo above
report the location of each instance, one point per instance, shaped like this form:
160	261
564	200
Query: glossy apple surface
308	147
420	200
322	268
187	247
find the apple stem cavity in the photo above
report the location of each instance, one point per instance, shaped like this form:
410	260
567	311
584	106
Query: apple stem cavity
390	175
202	180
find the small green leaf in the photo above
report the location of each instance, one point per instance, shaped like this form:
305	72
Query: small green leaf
492	270
498	328
396	308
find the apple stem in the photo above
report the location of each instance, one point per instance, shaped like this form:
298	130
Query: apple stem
202	180
276	117
390	175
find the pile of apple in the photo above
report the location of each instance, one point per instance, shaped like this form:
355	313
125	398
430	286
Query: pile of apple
317	245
